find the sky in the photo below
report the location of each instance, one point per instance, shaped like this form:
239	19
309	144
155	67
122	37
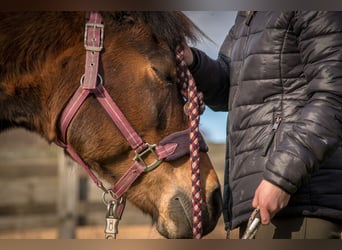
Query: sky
216	25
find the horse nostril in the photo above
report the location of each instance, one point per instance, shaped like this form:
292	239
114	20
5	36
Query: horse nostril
212	212
185	209
179	211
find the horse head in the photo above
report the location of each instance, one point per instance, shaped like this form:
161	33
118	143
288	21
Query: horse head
42	61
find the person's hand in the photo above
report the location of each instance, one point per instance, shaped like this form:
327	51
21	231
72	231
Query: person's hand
270	199
188	56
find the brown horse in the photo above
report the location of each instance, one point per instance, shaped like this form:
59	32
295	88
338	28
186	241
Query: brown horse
41	61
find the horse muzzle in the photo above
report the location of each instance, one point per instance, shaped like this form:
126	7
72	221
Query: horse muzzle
179	224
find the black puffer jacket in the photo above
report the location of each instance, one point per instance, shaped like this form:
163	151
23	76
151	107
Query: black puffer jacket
279	74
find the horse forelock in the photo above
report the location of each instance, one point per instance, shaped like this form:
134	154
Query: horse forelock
172	27
26	38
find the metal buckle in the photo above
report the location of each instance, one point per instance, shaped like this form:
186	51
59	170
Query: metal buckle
140	157
113	217
93	25
98	76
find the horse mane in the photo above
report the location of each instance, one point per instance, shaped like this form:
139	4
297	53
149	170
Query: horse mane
172	27
27	38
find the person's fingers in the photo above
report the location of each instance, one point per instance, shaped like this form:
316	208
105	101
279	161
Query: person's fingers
188	56
270	199
265	215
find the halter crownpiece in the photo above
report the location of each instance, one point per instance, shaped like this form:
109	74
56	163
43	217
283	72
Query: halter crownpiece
172	147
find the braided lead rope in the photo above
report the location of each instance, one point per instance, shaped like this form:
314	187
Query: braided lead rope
193	108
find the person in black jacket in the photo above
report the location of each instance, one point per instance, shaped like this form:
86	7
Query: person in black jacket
279	74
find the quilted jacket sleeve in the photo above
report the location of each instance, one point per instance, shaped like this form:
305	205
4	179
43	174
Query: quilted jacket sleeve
318	132
212	77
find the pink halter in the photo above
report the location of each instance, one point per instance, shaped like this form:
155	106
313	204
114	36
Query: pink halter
172	147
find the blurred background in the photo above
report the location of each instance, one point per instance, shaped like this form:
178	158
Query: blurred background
215	25
44	195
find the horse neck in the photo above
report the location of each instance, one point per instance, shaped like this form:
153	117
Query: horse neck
32	102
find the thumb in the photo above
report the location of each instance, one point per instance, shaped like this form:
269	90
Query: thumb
255	202
188	56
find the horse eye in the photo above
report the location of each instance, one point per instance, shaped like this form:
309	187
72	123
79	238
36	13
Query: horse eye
163	77
169	79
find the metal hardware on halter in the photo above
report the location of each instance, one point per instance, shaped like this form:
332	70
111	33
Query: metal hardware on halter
107	192
140	157
252	226
98	76
94	26
113	217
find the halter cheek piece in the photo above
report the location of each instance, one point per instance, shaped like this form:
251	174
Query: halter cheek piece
170	148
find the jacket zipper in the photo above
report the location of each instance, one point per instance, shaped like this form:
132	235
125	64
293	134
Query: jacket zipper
273	132
250	15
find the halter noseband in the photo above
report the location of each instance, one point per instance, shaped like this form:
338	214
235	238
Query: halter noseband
170	148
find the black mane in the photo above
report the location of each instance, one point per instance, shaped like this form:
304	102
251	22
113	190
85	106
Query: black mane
27	38
173	27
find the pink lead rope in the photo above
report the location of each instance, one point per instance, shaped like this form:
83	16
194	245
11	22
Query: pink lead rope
193	108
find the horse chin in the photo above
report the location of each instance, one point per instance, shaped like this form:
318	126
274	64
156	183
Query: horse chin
179	222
